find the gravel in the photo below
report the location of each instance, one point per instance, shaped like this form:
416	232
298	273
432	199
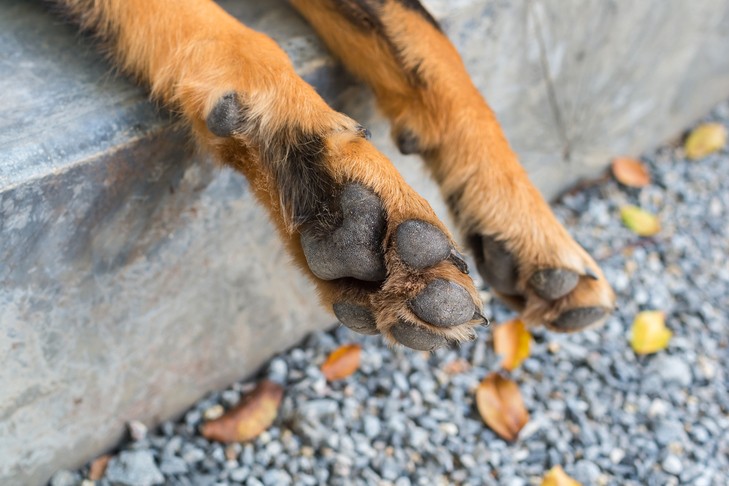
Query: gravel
605	414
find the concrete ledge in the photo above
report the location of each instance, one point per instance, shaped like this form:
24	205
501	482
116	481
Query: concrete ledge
135	276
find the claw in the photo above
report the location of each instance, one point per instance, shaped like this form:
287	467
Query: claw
457	259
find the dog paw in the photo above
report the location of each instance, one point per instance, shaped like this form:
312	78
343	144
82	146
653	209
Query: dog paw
394	274
551	280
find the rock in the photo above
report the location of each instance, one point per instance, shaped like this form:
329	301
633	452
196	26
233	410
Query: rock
672	465
134	468
65	478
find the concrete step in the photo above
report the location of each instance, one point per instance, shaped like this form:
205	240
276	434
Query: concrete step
135	276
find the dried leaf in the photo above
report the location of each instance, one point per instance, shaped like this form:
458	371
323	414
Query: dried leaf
501	407
98	467
704	140
557	477
649	333
342	362
457	366
631	172
512	341
255	413
639	221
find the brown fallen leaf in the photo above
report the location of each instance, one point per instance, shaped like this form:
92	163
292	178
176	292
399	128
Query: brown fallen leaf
630	172
639	221
255	413
457	366
512	341
98	467
649	333
557	477
501	407
342	362
704	140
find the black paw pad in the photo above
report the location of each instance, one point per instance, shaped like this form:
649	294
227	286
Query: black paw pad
553	283
495	263
580	318
407	143
417	338
226	116
443	304
356	317
421	244
354	248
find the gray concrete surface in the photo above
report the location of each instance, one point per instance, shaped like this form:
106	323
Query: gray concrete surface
135	276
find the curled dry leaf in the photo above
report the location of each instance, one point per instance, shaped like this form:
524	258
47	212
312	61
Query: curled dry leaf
342	362
512	341
639	221
501	406
557	477
649	333
98	467
254	414
704	140
630	172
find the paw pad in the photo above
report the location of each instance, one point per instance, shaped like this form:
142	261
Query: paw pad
420	244
354	248
356	317
417	338
553	283
443	304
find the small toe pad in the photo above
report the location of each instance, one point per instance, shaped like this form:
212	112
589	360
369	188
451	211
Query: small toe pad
420	244
443	304
417	338
356	317
580	318
553	283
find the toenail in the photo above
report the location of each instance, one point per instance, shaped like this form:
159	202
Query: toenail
443	304
420	244
577	319
226	116
356	317
553	283
459	261
417	338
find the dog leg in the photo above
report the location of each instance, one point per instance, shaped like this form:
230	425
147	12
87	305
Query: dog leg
422	85
379	256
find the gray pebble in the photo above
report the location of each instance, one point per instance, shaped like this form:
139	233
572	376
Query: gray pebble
134	468
65	478
672	465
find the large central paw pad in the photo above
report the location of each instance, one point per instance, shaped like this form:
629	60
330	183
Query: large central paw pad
354	249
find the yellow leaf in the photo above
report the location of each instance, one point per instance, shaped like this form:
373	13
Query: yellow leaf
649	333
639	221
342	362
512	341
630	172
557	477
247	420
704	140
501	407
